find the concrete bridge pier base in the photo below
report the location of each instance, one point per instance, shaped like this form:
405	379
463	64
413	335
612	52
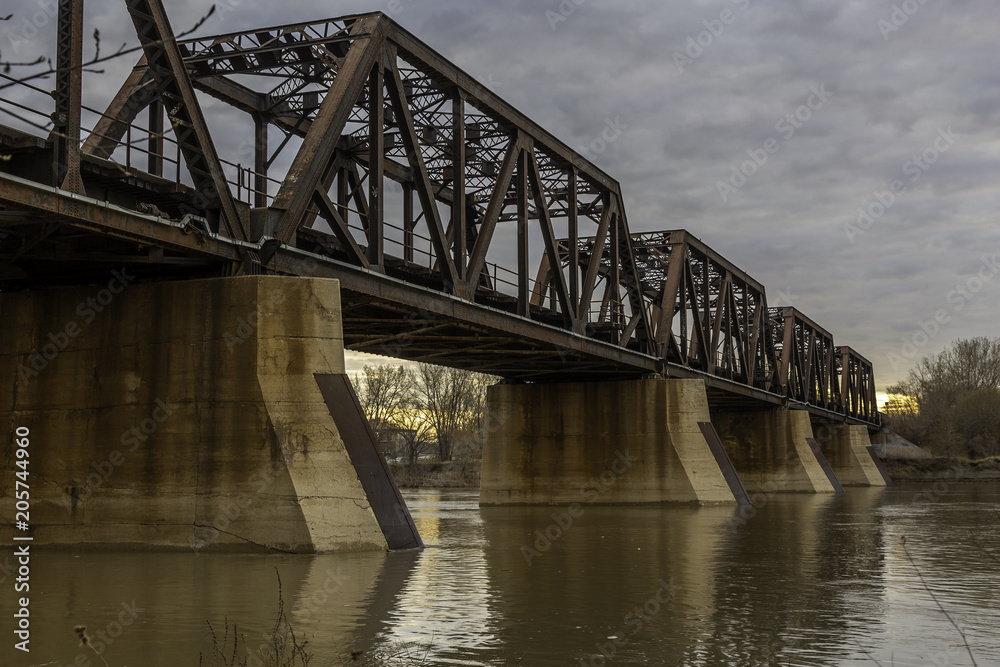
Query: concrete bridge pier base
599	443
847	450
182	415
770	450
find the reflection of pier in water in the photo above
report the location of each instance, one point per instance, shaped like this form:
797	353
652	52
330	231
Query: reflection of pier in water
384	602
610	562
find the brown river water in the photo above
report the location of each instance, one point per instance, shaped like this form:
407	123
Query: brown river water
868	578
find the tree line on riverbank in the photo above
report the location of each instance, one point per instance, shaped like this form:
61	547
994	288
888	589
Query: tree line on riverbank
425	412
950	402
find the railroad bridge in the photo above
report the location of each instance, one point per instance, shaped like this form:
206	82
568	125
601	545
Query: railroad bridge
359	191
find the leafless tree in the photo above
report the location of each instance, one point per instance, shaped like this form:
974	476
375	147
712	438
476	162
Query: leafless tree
385	393
414	431
957	399
453	401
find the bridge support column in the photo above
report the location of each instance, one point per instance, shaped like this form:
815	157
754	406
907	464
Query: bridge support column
599	443
770	450
847	450
180	415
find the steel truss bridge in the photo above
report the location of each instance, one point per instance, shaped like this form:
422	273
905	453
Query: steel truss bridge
462	232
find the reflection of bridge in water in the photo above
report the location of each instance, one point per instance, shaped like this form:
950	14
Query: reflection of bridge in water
376	162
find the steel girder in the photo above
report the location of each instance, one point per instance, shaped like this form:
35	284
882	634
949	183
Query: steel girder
406	171
857	384
807	363
710	316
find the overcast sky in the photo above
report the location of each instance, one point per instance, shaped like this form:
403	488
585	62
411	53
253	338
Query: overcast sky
762	127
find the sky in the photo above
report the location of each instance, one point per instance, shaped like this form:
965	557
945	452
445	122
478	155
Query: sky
844	154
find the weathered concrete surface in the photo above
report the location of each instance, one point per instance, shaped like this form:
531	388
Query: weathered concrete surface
182	415
599	442
846	448
770	451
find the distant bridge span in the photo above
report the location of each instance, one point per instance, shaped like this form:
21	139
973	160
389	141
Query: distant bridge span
462	233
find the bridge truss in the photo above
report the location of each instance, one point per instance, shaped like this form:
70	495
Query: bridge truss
461	231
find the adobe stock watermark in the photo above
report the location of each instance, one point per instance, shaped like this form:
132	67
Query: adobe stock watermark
638	618
88	310
783	298
267	652
714	28
563	521
899	16
101	471
565	9
786	126
914	168
32	24
230	509
397	6
957	299
105	637
761	498
612	132
226	7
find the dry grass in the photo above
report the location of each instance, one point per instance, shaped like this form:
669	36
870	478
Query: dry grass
283	649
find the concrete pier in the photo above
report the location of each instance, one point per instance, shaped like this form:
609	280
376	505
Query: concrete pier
846	448
770	451
182	415
599	443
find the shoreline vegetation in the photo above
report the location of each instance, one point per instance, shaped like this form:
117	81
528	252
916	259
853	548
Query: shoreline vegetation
943	469
437	475
465	474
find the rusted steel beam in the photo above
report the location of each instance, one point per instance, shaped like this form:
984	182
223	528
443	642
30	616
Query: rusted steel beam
166	65
296	192
105	218
523	280
596	255
68	95
123	109
574	246
566	305
632	282
260	160
328	210
668	300
376	162
154	164
477	258
459	220
357	192
397	94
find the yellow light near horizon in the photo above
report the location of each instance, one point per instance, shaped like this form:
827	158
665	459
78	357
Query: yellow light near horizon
895	401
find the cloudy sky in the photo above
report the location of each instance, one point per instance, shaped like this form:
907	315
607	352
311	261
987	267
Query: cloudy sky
844	153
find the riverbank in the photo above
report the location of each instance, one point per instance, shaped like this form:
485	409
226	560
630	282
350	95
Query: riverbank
465	474
943	469
438	475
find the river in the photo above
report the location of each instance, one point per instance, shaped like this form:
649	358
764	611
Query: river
867	578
